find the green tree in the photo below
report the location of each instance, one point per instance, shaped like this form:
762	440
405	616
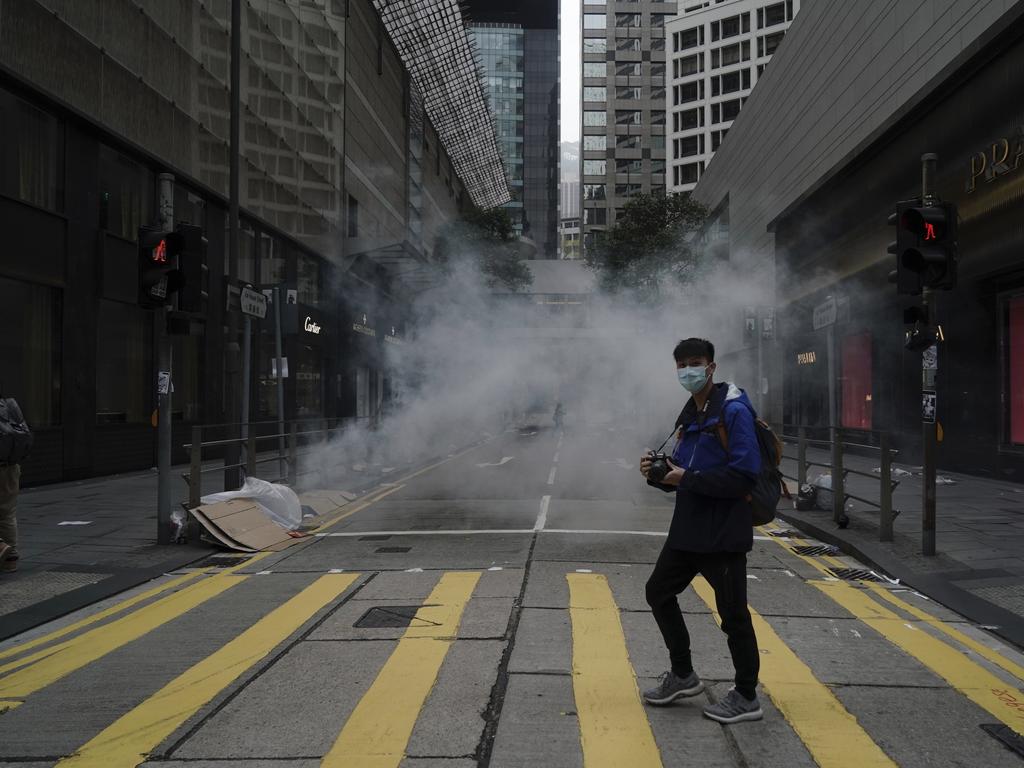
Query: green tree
653	244
487	238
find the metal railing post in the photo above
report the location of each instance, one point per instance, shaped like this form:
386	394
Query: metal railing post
801	457
293	459
195	469
885	490
250	454
838	494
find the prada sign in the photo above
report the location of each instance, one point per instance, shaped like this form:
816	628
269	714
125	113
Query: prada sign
1002	157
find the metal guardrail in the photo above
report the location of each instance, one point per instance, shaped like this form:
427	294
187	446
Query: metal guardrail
317	433
836	445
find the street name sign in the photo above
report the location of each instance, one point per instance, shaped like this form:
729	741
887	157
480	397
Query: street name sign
253	303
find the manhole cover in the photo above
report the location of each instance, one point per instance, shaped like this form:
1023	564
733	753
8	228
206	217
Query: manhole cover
391	617
853	574
392	550
814	550
1009	737
374	538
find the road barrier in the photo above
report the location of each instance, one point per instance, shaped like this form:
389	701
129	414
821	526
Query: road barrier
837	444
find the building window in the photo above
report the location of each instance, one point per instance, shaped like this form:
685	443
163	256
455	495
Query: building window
726	111
1015	369
657	117
628	190
627	69
658	165
688	147
31	154
658	44
628	117
598	216
730	83
690	65
595	21
30	349
857	378
595	93
593	192
353	217
595	69
627	142
595	45
126	194
595	167
595	143
768	44
627	44
716	138
691	118
124	364
595	118
686	174
658	93
658	72
689	38
658	141
309	280
635	165
771	15
629	93
657	21
627	20
687	92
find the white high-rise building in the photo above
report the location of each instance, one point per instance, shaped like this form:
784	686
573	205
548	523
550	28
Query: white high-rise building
717	52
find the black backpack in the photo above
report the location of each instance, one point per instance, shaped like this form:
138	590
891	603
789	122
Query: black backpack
770	485
15	436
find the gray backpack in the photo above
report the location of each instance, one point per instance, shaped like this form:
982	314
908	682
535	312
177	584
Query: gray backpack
15	436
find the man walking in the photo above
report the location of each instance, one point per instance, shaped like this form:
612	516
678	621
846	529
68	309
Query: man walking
15	444
712	470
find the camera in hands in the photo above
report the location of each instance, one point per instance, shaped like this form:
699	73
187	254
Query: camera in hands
659	466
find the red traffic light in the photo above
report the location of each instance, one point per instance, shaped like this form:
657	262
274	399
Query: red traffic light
160	252
928	223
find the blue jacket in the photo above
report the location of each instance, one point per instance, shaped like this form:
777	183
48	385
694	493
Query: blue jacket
712	513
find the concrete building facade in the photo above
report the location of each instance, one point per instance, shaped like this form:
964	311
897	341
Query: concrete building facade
717	52
623	115
347	176
826	145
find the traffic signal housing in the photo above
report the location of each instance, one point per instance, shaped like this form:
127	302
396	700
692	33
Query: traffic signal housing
158	269
925	246
191	247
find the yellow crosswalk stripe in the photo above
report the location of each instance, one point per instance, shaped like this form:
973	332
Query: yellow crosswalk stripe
28	674
113	610
831	734
1004	702
614	730
379	728
984	651
128	741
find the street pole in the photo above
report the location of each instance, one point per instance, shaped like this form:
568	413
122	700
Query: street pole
280	382
838	497
164	383
246	375
232	452
929	375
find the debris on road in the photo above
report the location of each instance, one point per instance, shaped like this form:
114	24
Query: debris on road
242	525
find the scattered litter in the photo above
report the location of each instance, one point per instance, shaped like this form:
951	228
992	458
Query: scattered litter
583	570
831	578
910	626
943	480
752	577
990	627
414	570
278	502
790	574
495	568
855	633
504	460
262	573
884	578
75	522
894	471
387	470
243	525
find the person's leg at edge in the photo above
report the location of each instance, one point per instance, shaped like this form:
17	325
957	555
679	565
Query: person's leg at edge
727	575
672	574
10	477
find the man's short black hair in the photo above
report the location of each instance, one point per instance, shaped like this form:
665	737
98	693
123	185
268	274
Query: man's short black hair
688	348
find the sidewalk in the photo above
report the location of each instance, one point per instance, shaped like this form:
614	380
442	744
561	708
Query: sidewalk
84	541
978	570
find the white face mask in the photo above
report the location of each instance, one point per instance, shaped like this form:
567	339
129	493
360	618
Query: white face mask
693	377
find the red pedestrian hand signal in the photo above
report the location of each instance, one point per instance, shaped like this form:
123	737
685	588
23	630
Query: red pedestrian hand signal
160	252
929	232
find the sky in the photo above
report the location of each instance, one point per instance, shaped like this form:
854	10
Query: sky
570	63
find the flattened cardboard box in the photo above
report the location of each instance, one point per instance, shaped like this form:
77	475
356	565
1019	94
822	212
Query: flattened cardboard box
241	524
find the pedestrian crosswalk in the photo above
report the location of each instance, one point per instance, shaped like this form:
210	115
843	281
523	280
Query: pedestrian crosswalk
414	675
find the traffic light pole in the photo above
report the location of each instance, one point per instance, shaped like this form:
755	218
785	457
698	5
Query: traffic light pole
164	379
929	374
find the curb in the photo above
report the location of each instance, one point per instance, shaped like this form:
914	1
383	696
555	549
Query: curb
938	586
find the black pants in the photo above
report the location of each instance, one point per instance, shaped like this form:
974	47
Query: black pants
726	572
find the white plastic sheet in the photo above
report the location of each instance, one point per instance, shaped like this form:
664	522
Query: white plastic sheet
279	502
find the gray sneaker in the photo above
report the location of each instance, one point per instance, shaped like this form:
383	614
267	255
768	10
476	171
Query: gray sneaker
734	708
671	687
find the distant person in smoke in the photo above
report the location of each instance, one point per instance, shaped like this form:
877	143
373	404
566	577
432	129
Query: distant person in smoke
558	415
711	473
15	444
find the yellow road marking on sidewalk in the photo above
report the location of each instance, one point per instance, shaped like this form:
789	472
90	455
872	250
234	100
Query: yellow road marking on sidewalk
831	734
614	730
129	740
113	610
379	728
358	508
1003	701
31	673
984	651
